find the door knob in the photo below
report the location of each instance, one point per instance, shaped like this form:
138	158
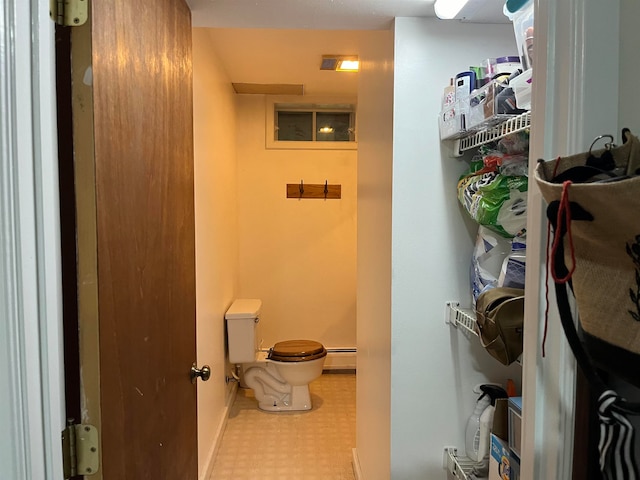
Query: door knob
204	373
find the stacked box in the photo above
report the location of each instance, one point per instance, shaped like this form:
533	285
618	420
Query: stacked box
499	460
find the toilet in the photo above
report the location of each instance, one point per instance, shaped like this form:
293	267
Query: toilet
279	377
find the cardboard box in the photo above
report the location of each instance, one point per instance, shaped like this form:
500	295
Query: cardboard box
499	460
500	427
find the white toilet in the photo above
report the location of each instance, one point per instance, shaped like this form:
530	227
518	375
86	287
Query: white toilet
280	377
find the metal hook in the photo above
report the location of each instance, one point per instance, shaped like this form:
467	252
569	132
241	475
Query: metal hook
301	187
326	188
608	145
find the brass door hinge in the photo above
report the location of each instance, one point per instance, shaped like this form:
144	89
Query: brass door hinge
69	13
80	454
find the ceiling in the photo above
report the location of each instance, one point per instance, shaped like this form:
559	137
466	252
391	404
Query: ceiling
327	14
282	41
279	56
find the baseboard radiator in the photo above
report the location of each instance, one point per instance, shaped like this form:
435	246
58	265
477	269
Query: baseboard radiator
341	359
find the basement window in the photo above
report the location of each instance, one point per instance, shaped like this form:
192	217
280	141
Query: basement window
311	125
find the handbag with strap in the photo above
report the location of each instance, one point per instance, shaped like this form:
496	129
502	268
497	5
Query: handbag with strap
594	208
603	213
500	320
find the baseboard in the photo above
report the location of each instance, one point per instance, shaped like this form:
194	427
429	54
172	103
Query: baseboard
341	359
208	470
355	463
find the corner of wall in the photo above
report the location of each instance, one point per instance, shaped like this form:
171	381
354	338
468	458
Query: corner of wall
214	114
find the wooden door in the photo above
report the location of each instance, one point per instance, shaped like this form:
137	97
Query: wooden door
133	147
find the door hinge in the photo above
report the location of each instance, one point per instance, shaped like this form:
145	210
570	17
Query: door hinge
69	13
80	455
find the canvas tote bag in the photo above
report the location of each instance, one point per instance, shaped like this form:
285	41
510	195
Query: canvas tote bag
600	223
594	208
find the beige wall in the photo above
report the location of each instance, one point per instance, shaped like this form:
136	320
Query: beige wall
373	410
216	232
298	256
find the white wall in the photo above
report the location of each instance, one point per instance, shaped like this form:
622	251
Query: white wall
373	409
298	256
216	233
629	100
433	368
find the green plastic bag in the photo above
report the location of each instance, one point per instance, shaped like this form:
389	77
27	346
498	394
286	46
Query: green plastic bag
497	201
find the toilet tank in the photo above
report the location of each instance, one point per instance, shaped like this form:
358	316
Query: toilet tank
242	330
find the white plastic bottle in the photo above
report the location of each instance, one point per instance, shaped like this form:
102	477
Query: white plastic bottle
472	434
484	433
477	435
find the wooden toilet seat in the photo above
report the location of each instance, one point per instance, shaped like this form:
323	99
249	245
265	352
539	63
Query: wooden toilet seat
297	351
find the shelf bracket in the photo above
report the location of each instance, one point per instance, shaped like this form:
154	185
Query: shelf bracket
458	467
457	151
464	318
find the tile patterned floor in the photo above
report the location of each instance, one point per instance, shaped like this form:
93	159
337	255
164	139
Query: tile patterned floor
313	445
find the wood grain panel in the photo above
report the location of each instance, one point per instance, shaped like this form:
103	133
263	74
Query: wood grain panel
142	77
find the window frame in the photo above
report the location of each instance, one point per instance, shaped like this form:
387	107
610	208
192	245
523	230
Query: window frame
308	104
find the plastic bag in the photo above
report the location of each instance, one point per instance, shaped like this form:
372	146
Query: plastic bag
489	254
515	144
496	201
512	273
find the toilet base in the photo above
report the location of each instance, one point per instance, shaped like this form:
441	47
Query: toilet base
299	399
272	391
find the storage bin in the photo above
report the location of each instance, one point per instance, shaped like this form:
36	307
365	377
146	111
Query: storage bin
491	104
507	65
522	88
453	120
520	12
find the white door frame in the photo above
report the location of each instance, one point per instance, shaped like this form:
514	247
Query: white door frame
31	366
570	109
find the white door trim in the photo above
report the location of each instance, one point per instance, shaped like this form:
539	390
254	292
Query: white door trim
580	42
31	372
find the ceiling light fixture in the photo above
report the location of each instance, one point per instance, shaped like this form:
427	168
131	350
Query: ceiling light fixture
448	9
340	63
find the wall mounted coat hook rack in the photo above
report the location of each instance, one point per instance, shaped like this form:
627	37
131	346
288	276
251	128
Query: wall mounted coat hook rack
314	190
